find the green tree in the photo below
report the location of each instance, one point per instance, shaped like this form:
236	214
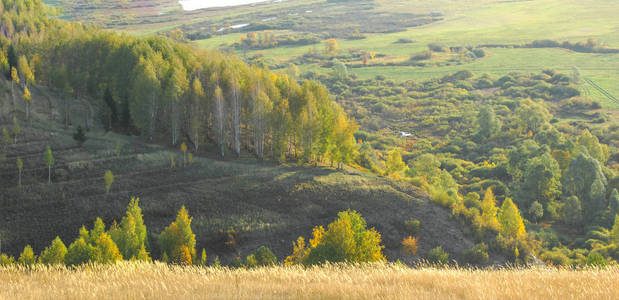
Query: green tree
536	210
20	167
394	163
533	117
340	72
615	231
438	256
584	179
178	239
512	225
265	257
131	235
613	202
80	252
572	211
487	122
49	161
109	180
594	148
489	211
542	181
54	254
27	257
346	240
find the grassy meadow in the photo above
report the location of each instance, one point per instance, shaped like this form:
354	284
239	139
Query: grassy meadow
480	22
159	281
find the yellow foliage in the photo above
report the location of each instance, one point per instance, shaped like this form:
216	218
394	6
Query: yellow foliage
409	245
489	211
512	225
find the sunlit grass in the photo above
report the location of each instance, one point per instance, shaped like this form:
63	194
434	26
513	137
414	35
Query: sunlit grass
158	281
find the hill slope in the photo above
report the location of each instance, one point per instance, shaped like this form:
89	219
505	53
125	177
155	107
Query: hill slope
237	205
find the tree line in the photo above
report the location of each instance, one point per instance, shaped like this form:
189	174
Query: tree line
167	91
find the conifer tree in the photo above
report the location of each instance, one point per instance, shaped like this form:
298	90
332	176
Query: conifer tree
512	225
27	257
54	254
178	240
131	235
489	211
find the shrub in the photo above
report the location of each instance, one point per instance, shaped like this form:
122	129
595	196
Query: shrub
555	258
54	254
421	55
27	257
438	256
409	245
80	252
404	41
265	257
412	226
477	255
479	53
438	47
596	259
6	260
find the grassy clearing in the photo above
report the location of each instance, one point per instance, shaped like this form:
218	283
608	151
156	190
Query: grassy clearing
158	281
479	22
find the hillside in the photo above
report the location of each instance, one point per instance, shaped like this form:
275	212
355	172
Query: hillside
265	204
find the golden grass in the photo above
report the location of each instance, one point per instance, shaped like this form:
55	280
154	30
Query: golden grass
129	280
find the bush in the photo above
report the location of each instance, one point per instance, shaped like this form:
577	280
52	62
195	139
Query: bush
80	252
596	259
422	55
555	258
404	41
346	240
6	260
479	53
409	245
438	47
54	254
477	255
27	257
412	226
438	256
265	257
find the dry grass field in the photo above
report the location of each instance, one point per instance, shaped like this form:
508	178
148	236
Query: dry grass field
158	281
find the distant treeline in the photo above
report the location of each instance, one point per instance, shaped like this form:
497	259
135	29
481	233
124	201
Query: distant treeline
590	46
